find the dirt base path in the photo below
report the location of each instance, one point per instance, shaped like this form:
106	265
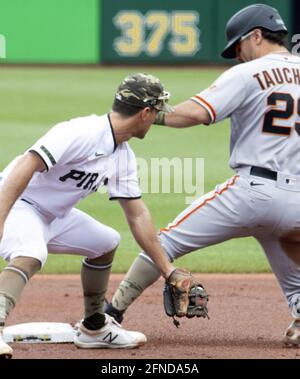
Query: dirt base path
248	316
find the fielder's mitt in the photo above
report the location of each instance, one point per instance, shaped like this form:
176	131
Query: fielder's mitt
183	297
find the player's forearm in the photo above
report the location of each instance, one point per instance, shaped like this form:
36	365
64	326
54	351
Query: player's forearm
144	232
12	189
175	120
146	236
15	184
180	120
185	115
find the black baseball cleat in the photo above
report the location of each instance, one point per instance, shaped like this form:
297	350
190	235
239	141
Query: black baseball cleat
113	312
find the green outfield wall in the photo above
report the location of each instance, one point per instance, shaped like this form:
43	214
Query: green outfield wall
167	31
170	31
118	32
51	31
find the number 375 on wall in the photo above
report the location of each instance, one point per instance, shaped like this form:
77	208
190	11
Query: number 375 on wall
175	31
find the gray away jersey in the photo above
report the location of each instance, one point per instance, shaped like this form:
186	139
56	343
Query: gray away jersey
262	98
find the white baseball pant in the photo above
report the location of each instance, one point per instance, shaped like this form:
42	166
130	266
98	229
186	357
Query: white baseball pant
245	205
28	233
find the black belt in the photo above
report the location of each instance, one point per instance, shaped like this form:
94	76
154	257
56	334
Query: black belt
263	173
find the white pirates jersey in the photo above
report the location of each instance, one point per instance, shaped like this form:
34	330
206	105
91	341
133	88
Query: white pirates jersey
262	98
80	155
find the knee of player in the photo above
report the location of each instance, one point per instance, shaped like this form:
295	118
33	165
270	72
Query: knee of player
114	240
105	246
108	250
168	248
43	258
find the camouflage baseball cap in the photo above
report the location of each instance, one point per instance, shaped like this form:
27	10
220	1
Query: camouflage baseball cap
144	90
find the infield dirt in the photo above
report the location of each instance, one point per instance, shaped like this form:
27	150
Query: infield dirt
248	316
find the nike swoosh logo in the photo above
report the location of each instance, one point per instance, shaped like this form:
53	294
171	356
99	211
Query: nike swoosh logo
99	154
256	184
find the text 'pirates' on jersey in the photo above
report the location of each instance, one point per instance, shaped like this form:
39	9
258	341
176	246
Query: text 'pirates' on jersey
81	155
262	98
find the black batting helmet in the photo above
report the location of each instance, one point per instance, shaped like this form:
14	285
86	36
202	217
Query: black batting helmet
247	19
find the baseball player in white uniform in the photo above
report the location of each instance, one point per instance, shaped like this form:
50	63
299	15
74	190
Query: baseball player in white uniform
40	188
262	98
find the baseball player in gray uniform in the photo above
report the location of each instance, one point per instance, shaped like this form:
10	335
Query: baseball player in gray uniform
39	189
262	98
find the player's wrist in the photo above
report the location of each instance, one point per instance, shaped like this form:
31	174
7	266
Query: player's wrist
168	271
160	118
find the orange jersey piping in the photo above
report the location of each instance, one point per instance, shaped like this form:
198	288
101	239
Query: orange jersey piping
167	229
207	106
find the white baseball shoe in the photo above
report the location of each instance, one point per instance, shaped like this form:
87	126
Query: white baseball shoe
110	336
6	351
292	334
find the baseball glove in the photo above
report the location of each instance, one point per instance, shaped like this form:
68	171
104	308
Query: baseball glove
183	297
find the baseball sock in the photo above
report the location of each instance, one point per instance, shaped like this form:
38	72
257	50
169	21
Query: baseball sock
94	278
141	275
94	322
12	282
